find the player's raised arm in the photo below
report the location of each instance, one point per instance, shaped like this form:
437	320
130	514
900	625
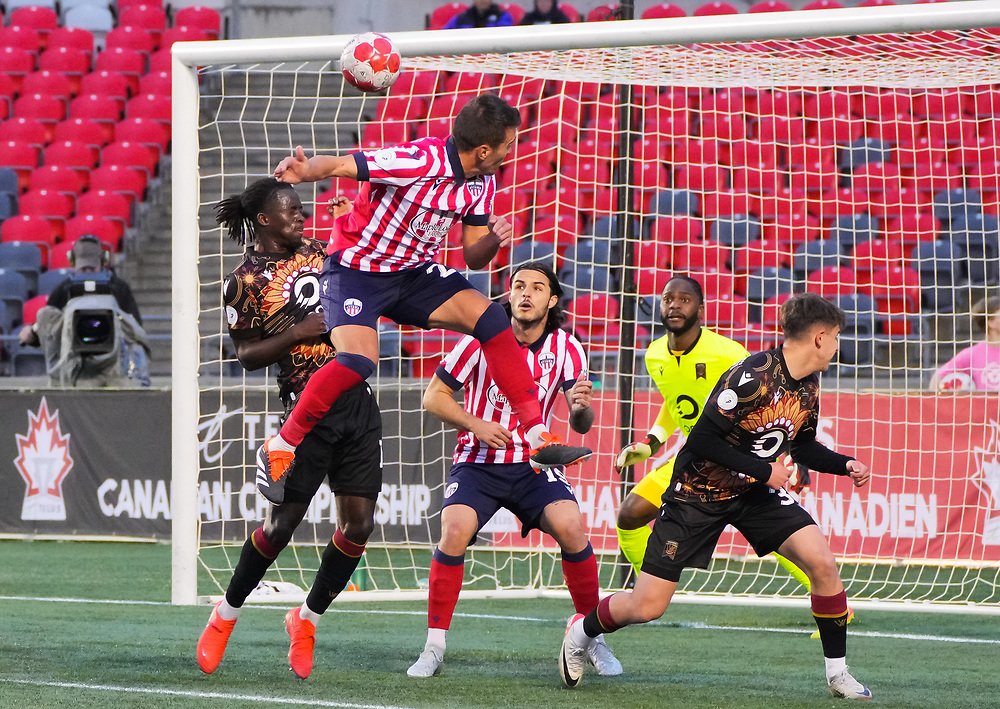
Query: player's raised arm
480	244
298	168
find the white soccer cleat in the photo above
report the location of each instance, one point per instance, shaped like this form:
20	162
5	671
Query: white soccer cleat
427	665
845	686
572	657
601	657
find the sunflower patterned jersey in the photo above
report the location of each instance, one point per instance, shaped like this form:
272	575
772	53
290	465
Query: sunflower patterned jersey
762	412
269	293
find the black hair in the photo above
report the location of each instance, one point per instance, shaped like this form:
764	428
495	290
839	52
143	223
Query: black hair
982	311
693	283
556	315
238	213
484	121
801	312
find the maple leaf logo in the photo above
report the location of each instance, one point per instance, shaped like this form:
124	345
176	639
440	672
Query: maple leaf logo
987	479
43	460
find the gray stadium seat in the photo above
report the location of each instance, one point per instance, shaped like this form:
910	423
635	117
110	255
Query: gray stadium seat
13	293
979	235
737	231
25	258
856	339
528	250
853	229
952	205
816	254
769	282
94	18
668	202
592	252
940	264
48	280
861	152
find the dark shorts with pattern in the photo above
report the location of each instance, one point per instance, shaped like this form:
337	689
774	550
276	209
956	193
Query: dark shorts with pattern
345	447
486	487
685	533
352	297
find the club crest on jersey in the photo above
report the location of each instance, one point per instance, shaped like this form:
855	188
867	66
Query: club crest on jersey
353	306
475	187
670	550
547	361
429	227
450	490
700	371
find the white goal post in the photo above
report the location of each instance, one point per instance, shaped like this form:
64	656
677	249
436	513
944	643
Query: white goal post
755	123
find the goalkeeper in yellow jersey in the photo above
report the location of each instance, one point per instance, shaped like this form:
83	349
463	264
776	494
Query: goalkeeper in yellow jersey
685	366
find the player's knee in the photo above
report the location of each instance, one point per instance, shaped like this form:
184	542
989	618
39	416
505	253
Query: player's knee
491	323
455	537
359	530
649	609
278	535
635	512
359	364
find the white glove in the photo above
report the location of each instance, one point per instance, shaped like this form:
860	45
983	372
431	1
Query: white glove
633	453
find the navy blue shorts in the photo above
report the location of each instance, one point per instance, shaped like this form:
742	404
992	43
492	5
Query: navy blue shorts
352	297
486	487
685	533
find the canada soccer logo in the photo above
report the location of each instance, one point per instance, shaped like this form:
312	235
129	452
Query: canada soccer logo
43	460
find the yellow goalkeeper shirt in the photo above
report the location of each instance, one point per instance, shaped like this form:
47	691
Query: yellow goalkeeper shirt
685	380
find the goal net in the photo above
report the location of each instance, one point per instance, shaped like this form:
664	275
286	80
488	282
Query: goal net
863	165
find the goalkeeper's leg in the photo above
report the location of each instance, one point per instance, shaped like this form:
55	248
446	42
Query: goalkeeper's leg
638	509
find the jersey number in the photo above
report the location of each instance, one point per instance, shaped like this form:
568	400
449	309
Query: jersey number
442	271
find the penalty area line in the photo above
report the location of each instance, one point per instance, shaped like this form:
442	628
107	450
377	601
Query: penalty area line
165	692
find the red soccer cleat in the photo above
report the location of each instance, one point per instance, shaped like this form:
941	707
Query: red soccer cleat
303	640
213	640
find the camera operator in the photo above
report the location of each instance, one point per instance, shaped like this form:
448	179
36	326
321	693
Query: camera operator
90	328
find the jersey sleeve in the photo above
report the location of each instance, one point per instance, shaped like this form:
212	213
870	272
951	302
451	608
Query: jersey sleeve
961	362
478	213
739	391
576	363
458	365
242	307
399	166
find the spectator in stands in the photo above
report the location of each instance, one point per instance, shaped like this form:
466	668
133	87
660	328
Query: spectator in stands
90	327
546	12
977	366
481	13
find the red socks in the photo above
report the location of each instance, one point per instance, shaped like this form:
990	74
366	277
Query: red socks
509	370
580	572
445	585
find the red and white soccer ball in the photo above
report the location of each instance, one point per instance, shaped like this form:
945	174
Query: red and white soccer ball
370	62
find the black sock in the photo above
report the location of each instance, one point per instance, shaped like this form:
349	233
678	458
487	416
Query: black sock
833	635
340	558
250	569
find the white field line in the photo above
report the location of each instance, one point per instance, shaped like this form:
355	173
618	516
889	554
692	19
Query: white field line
164	692
531	619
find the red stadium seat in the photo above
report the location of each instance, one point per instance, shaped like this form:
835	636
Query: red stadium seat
596	319
726	203
41	19
570	11
72	154
103	109
129	37
761	254
770	6
715	8
818	177
896	289
470	82
603	13
105	83
59	179
676	229
779	102
49	204
832	281
47	110
662	10
31	308
8	89
440	16
119	179
107	230
757	180
143	131
723	126
156	83
48	83
651	255
24	130
151	18
701	178
82	130
128	62
822	5
415	83
876	254
21	157
152	106
780	130
701	256
401	108
206	19
29	228
385	133
181	34
74	63
162	61
753	153
24	38
131	155
71	38
912	227
516	11
726	313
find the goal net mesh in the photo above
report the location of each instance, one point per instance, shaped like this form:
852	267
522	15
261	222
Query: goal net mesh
863	168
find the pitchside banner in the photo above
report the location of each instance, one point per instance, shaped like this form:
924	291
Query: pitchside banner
98	463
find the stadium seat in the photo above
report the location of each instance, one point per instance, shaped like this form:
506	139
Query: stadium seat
896	290
952	205
832	281
603	13
36	17
48	83
590	252
161	60
150	18
13	293
767	283
71	38
8	205
25	257
939	264
714	8
595	318
561	230
29	311
734	231
726	313
874	254
51	205
59	178
24	130
93	18
8	178
814	255
863	151
131	155
153	106
108	230
770	6
29	228
979	236
428	348
71	154
129	37
440	16
128	181
677	230
22	38
673	202
570	11
822	5
853	229
206	19
103	109
48	280
143	131
856	339
662	10
129	62
181	34
586	279
647	314
699	256
530	250
912	227
74	63
81	130
20	157
47	110
727	204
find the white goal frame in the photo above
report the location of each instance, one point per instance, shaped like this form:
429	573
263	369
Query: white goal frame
187	56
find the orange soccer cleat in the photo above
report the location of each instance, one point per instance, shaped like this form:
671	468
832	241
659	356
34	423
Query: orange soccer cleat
553	453
303	640
272	470
213	640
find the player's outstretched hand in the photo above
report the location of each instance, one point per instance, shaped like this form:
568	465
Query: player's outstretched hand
582	392
311	328
503	229
492	434
779	475
860	475
339	206
633	453
294	168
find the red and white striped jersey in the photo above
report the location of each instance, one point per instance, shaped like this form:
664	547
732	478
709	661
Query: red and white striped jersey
412	195
555	361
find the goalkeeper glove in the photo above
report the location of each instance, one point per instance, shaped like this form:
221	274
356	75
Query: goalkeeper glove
637	452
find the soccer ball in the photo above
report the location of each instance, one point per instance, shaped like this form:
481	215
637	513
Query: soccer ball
370	62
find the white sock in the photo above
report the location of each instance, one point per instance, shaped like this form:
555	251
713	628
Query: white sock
306	613
280	444
436	640
577	635
534	435
834	666
226	611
